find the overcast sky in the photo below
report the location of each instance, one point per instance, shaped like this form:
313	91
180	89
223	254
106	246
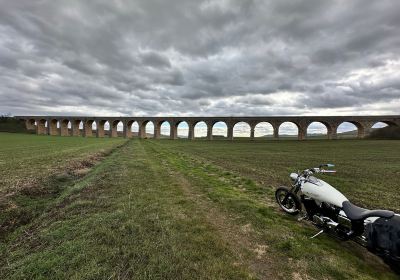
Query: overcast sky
189	58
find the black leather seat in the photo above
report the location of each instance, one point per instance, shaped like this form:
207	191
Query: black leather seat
357	213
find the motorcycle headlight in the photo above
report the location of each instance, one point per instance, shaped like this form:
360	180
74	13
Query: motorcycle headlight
294	176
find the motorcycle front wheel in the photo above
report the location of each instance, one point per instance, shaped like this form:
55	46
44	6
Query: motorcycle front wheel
291	204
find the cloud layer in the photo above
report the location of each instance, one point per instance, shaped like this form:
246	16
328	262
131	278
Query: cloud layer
200	58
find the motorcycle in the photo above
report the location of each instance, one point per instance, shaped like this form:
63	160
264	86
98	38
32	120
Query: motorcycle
331	212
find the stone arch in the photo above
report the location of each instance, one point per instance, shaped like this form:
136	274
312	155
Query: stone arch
131	127
134	127
101	128
200	129
241	129
30	124
162	129
263	130
289	130
52	127
88	127
381	124
316	127
347	130
64	130
219	129
41	125
182	129
114	125
147	128
360	128
76	127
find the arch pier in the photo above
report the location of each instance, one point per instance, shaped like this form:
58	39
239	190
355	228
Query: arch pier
90	126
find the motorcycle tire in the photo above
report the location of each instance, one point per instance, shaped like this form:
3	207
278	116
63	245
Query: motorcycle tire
292	205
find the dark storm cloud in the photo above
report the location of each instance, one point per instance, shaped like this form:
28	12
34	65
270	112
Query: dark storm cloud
200	57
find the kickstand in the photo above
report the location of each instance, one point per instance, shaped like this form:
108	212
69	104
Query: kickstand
318	233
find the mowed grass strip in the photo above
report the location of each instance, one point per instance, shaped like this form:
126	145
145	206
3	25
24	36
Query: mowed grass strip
285	241
127	219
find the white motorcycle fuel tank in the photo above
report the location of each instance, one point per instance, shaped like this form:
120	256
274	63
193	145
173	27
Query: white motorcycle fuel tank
321	191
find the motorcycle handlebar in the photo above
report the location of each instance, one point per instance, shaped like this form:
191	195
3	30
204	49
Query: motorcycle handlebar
320	169
327	171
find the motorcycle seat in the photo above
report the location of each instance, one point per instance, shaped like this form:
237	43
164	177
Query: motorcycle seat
357	213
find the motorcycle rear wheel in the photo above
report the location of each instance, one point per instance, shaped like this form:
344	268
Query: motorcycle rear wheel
292	205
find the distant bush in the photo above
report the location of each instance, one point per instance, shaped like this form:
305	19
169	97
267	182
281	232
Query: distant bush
10	124
388	132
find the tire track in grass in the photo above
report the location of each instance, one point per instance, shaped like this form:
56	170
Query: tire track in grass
251	252
290	246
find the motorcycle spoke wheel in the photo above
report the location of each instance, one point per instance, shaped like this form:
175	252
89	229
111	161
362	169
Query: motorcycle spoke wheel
291	205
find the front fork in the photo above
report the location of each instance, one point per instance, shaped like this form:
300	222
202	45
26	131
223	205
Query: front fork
293	191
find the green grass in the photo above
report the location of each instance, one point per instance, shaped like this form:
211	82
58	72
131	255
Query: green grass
368	171
26	159
34	170
194	210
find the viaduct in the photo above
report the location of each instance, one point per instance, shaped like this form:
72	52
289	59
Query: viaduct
70	125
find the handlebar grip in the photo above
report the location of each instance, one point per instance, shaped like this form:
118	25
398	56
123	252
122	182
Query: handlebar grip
328	171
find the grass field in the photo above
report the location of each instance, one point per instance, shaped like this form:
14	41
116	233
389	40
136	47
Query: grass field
184	210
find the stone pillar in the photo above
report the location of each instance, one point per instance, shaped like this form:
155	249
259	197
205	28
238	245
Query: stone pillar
252	129
75	128
113	128
191	131
157	130
363	129
100	128
128	129
332	131
52	127
173	134
40	127
142	130
230	131
209	131
275	127
302	132
87	128
64	128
